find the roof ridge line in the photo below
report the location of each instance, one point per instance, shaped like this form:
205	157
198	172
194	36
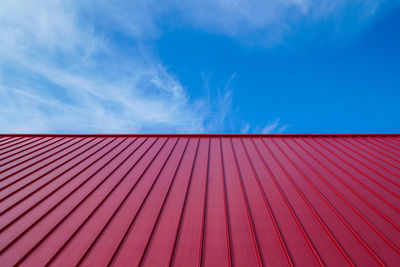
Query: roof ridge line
192	135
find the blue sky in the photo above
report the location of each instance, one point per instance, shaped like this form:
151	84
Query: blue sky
293	66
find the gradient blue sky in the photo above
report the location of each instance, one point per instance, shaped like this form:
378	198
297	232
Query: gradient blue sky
293	66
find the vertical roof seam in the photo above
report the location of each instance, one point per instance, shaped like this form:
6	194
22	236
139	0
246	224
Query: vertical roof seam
229	246
327	230
177	235
305	236
66	197
115	212
123	240
164	200
373	253
245	200
371	160
297	218
263	194
374	228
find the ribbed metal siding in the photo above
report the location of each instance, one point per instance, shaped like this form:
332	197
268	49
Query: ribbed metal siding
200	200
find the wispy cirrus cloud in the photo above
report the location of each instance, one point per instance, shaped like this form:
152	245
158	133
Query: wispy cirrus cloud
273	127
60	74
261	22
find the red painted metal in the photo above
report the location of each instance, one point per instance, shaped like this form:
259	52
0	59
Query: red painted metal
200	200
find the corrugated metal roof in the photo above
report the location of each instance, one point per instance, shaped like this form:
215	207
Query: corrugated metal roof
189	200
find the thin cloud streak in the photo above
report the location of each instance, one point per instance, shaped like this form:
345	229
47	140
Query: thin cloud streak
274	127
268	23
53	82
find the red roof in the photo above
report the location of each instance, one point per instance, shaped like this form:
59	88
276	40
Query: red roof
189	200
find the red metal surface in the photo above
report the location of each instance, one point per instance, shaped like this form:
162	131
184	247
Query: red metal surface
200	200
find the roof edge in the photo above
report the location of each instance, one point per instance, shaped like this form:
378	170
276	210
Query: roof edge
194	135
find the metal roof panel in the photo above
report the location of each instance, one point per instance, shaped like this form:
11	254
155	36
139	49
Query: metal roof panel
205	200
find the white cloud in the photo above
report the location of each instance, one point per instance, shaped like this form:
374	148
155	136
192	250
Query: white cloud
274	127
268	22
59	74
229	16
245	129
